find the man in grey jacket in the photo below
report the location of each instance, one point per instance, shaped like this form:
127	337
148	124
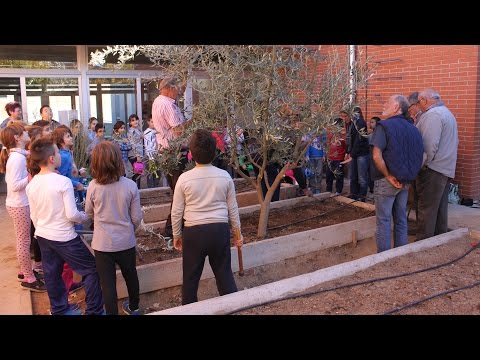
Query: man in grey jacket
438	127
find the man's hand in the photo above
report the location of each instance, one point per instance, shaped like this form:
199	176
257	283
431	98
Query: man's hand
177	243
393	180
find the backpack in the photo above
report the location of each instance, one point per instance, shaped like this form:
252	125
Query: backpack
453	197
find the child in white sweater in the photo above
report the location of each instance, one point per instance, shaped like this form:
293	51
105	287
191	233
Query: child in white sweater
205	198
13	162
54	214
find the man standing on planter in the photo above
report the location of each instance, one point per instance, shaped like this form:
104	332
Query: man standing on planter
397	155
169	123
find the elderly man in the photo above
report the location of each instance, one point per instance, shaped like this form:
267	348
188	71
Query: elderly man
169	123
439	131
414	111
397	155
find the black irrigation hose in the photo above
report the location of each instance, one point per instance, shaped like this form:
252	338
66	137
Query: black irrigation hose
414	303
294	296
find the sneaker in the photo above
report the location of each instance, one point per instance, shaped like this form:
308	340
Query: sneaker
38	269
72	311
38	275
127	311
75	287
37	286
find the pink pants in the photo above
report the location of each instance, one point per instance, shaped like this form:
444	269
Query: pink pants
21	224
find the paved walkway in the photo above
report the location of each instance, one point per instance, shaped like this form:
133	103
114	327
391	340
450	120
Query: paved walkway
15	300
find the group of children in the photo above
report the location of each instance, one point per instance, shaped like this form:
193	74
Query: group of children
135	146
44	195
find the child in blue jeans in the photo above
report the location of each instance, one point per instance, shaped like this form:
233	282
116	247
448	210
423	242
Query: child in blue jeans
54	213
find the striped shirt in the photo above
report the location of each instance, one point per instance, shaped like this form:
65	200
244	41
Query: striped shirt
166	115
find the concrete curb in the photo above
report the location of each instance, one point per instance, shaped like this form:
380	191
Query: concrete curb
256	296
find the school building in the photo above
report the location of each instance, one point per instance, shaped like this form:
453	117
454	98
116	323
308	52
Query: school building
61	77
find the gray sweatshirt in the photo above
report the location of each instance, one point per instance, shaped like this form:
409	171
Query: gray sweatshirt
439	131
116	212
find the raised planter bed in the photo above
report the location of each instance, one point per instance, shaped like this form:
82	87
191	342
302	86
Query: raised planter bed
168	273
156	212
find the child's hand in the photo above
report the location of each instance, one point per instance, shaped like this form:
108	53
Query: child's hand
79	187
82	171
238	237
177	243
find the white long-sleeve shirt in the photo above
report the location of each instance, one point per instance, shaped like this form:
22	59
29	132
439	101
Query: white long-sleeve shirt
16	177
150	142
52	207
204	195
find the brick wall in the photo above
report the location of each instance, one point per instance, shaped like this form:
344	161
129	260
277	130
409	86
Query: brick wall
452	70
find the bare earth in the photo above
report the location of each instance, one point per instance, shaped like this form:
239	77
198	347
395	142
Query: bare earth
383	296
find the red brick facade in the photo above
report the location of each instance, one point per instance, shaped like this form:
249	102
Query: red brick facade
453	71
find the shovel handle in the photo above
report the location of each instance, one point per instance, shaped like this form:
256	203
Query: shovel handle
240	261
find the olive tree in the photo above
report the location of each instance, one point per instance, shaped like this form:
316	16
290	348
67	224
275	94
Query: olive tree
278	94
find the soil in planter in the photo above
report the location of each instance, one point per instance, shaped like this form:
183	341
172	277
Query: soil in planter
165	195
321	213
384	296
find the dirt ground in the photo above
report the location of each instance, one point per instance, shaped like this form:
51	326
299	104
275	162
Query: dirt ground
321	213
381	297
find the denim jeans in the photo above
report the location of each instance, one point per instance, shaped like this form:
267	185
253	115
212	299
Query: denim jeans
315	180
390	201
79	258
334	171
359	167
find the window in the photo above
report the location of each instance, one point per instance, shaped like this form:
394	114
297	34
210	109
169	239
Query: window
38	57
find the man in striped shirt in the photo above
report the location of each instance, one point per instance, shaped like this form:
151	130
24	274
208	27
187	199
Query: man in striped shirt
169	123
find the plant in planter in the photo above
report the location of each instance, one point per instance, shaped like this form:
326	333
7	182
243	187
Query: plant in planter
276	94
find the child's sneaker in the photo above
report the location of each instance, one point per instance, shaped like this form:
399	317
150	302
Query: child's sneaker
38	276
37	286
126	309
38	268
75	287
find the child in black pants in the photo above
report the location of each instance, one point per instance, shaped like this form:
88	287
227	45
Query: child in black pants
205	198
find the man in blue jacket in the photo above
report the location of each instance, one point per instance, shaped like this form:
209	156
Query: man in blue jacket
397	155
